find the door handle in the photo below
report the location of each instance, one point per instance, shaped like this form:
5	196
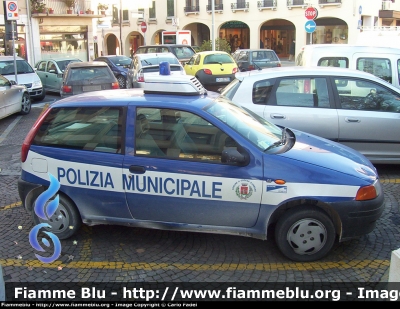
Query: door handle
137	169
277	116
347	119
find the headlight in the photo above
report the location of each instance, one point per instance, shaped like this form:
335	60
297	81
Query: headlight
36	84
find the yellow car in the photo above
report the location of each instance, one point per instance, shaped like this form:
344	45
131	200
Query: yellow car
214	69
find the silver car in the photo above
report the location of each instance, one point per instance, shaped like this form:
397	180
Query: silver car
14	98
149	64
351	107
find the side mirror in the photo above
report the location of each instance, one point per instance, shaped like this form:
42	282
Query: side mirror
232	156
12	82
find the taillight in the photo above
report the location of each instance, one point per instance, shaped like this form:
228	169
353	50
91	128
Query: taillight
66	89
29	138
279	65
207	71
251	67
234	70
115	85
140	78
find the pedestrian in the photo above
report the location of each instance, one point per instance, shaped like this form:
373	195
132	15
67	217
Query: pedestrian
261	44
292	49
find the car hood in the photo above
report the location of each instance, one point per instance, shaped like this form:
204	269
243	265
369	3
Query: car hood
24	79
322	152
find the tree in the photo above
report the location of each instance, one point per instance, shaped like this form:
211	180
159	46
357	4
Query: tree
220	45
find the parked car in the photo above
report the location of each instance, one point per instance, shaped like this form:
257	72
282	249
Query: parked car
214	69
256	59
26	75
14	98
351	107
381	61
144	65
51	72
80	77
181	51
170	157
119	65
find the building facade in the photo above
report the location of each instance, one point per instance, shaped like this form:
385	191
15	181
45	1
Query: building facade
86	29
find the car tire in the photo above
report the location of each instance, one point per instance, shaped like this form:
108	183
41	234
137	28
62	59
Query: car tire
128	84
25	104
121	81
305	234
65	222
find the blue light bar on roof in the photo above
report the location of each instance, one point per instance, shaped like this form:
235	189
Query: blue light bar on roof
165	68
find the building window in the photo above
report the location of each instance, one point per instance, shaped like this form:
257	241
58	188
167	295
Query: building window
152	10
125	15
170	8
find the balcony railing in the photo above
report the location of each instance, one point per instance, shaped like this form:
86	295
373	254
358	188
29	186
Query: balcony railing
240	6
296	3
191	10
58	7
219	8
323	3
266	5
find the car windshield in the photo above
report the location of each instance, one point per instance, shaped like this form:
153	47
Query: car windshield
121	61
7	67
256	129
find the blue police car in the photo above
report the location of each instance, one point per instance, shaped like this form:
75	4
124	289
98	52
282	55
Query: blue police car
171	157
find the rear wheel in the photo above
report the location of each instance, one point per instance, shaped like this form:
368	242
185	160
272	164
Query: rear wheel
305	234
65	222
128	84
121	82
25	104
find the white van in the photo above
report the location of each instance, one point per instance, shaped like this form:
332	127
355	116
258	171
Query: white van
383	62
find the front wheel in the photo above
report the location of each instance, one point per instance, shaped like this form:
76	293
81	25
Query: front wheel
305	234
65	222
121	82
25	104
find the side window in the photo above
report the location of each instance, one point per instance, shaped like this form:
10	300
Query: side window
42	66
339	62
303	92
379	67
262	91
51	66
96	129
174	134
365	95
197	60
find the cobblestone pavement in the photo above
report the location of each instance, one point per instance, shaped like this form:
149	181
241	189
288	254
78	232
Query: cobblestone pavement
123	254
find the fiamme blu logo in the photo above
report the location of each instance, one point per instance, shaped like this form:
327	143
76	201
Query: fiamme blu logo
45	208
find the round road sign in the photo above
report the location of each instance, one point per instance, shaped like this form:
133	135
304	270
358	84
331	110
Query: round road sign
311	13
143	26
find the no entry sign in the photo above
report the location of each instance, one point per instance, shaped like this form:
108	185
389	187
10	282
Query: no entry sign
143	26
311	13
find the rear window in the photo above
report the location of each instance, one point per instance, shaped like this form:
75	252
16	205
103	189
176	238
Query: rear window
153	61
87	128
217	58
380	67
83	73
153	69
183	52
